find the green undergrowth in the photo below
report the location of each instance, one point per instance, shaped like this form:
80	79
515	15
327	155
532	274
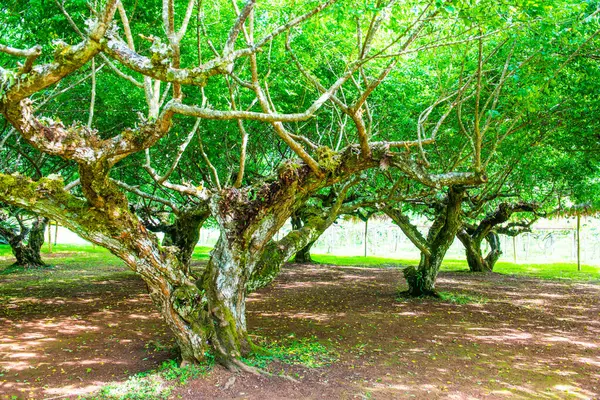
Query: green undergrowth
307	352
446	297
153	384
449	297
462	298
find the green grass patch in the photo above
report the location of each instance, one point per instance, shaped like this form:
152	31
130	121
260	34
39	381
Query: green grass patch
154	384
202	253
462	298
560	271
554	271
308	352
360	261
71	266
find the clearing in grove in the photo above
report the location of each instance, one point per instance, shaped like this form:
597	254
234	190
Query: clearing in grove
85	328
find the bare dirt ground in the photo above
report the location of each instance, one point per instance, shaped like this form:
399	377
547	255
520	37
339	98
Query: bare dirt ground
525	339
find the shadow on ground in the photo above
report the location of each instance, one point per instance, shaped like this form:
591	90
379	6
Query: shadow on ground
518	338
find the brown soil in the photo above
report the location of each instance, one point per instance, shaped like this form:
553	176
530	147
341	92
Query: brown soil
530	339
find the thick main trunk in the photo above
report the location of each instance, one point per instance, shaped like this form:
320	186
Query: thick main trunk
26	256
421	280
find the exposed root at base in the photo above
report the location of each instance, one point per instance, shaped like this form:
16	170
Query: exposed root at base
236	365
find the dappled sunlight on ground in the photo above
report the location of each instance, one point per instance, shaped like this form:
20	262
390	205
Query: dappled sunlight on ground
513	338
527	339
68	340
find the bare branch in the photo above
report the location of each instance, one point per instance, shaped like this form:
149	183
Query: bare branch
237	27
30	55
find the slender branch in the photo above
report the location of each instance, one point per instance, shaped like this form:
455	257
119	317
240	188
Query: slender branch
30	55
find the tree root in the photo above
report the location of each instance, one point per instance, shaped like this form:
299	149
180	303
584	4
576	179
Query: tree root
236	365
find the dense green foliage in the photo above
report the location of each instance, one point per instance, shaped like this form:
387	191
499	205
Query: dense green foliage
122	119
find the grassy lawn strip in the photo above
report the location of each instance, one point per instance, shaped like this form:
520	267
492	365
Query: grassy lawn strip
559	271
87	258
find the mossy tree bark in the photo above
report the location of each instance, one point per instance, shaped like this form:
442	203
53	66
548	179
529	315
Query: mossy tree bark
183	233
472	236
308	224
421	280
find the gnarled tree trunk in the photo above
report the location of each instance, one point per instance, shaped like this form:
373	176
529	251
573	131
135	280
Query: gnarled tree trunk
421	279
308	225
472	236
27	244
184	233
475	259
303	255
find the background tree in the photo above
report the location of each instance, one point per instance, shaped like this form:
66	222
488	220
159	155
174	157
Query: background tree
25	235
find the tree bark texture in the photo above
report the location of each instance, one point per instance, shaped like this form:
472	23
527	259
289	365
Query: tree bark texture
27	243
421	279
472	237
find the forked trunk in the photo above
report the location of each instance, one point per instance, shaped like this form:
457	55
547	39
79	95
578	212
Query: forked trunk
28	254
421	280
475	259
206	315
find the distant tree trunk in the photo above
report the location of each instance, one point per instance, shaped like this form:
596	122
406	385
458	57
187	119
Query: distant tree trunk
184	233
27	244
366	234
303	255
298	220
421	279
473	236
475	259
49	240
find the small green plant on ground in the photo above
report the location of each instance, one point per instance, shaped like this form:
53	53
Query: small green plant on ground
154	384
462	298
307	352
449	297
